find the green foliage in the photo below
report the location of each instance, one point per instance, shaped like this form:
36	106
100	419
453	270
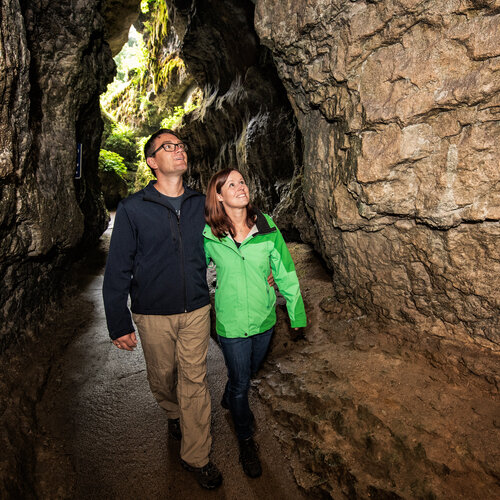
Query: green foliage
143	174
111	162
121	140
146	5
173	120
139	96
108	123
132	57
162	72
131	63
159	66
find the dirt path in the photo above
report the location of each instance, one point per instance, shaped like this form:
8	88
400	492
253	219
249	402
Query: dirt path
102	435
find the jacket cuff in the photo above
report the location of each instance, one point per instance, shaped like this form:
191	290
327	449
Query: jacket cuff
121	333
298	323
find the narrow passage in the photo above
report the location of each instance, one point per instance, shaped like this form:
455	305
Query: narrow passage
102	435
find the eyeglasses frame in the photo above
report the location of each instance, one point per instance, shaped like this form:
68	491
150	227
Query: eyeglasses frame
175	144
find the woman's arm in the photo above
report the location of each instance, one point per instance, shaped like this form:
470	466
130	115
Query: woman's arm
286	278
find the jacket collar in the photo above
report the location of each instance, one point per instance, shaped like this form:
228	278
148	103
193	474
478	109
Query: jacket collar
261	227
262	224
150	193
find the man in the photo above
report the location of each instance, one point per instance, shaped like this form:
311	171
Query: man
156	256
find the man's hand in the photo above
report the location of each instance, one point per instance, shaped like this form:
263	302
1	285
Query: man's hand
127	342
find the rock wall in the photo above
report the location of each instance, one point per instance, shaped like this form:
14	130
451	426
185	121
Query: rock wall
398	104
365	414
53	66
246	120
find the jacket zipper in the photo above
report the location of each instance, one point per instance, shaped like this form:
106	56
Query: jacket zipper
181	249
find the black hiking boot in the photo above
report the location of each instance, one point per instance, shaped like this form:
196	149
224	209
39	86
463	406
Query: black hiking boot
208	476
249	458
174	428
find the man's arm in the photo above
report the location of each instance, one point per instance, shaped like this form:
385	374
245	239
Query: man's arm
117	277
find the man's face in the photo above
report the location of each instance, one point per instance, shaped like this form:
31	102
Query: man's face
168	163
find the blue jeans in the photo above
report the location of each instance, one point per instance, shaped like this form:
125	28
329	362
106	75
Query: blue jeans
243	358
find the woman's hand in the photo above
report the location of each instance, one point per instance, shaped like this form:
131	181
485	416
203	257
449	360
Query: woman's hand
270	279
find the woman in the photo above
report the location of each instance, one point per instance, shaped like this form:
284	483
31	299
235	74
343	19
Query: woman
244	244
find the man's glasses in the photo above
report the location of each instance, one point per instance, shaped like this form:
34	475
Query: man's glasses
171	147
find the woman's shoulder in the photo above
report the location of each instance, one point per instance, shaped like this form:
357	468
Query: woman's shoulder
209	235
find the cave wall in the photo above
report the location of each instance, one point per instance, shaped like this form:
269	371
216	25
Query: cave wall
246	120
395	105
54	63
389	164
398	104
369	129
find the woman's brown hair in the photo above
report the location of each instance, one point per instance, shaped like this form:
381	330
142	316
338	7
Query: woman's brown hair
215	214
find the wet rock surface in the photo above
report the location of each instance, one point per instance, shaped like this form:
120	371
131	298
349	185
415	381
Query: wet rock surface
245	119
54	63
368	414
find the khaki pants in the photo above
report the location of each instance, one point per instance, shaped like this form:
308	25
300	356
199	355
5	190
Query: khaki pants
175	349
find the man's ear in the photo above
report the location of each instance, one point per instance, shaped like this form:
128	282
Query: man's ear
151	163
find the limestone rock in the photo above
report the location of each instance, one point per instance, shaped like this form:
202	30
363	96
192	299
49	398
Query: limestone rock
119	15
369	411
54	62
398	106
245	120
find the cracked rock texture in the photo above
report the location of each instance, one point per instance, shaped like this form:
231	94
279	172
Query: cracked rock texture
370	129
376	411
54	63
245	119
398	104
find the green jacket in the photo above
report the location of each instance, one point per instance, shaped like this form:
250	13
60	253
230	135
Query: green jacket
244	301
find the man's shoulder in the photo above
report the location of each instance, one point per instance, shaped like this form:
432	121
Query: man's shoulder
133	198
194	199
193	193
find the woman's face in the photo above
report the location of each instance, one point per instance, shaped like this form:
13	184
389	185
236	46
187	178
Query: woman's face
234	192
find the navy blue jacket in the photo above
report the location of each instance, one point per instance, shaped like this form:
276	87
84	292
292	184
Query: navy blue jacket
156	258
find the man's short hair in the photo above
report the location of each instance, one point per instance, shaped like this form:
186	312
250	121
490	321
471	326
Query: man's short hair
149	146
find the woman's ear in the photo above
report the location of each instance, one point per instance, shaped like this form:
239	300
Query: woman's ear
219	197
